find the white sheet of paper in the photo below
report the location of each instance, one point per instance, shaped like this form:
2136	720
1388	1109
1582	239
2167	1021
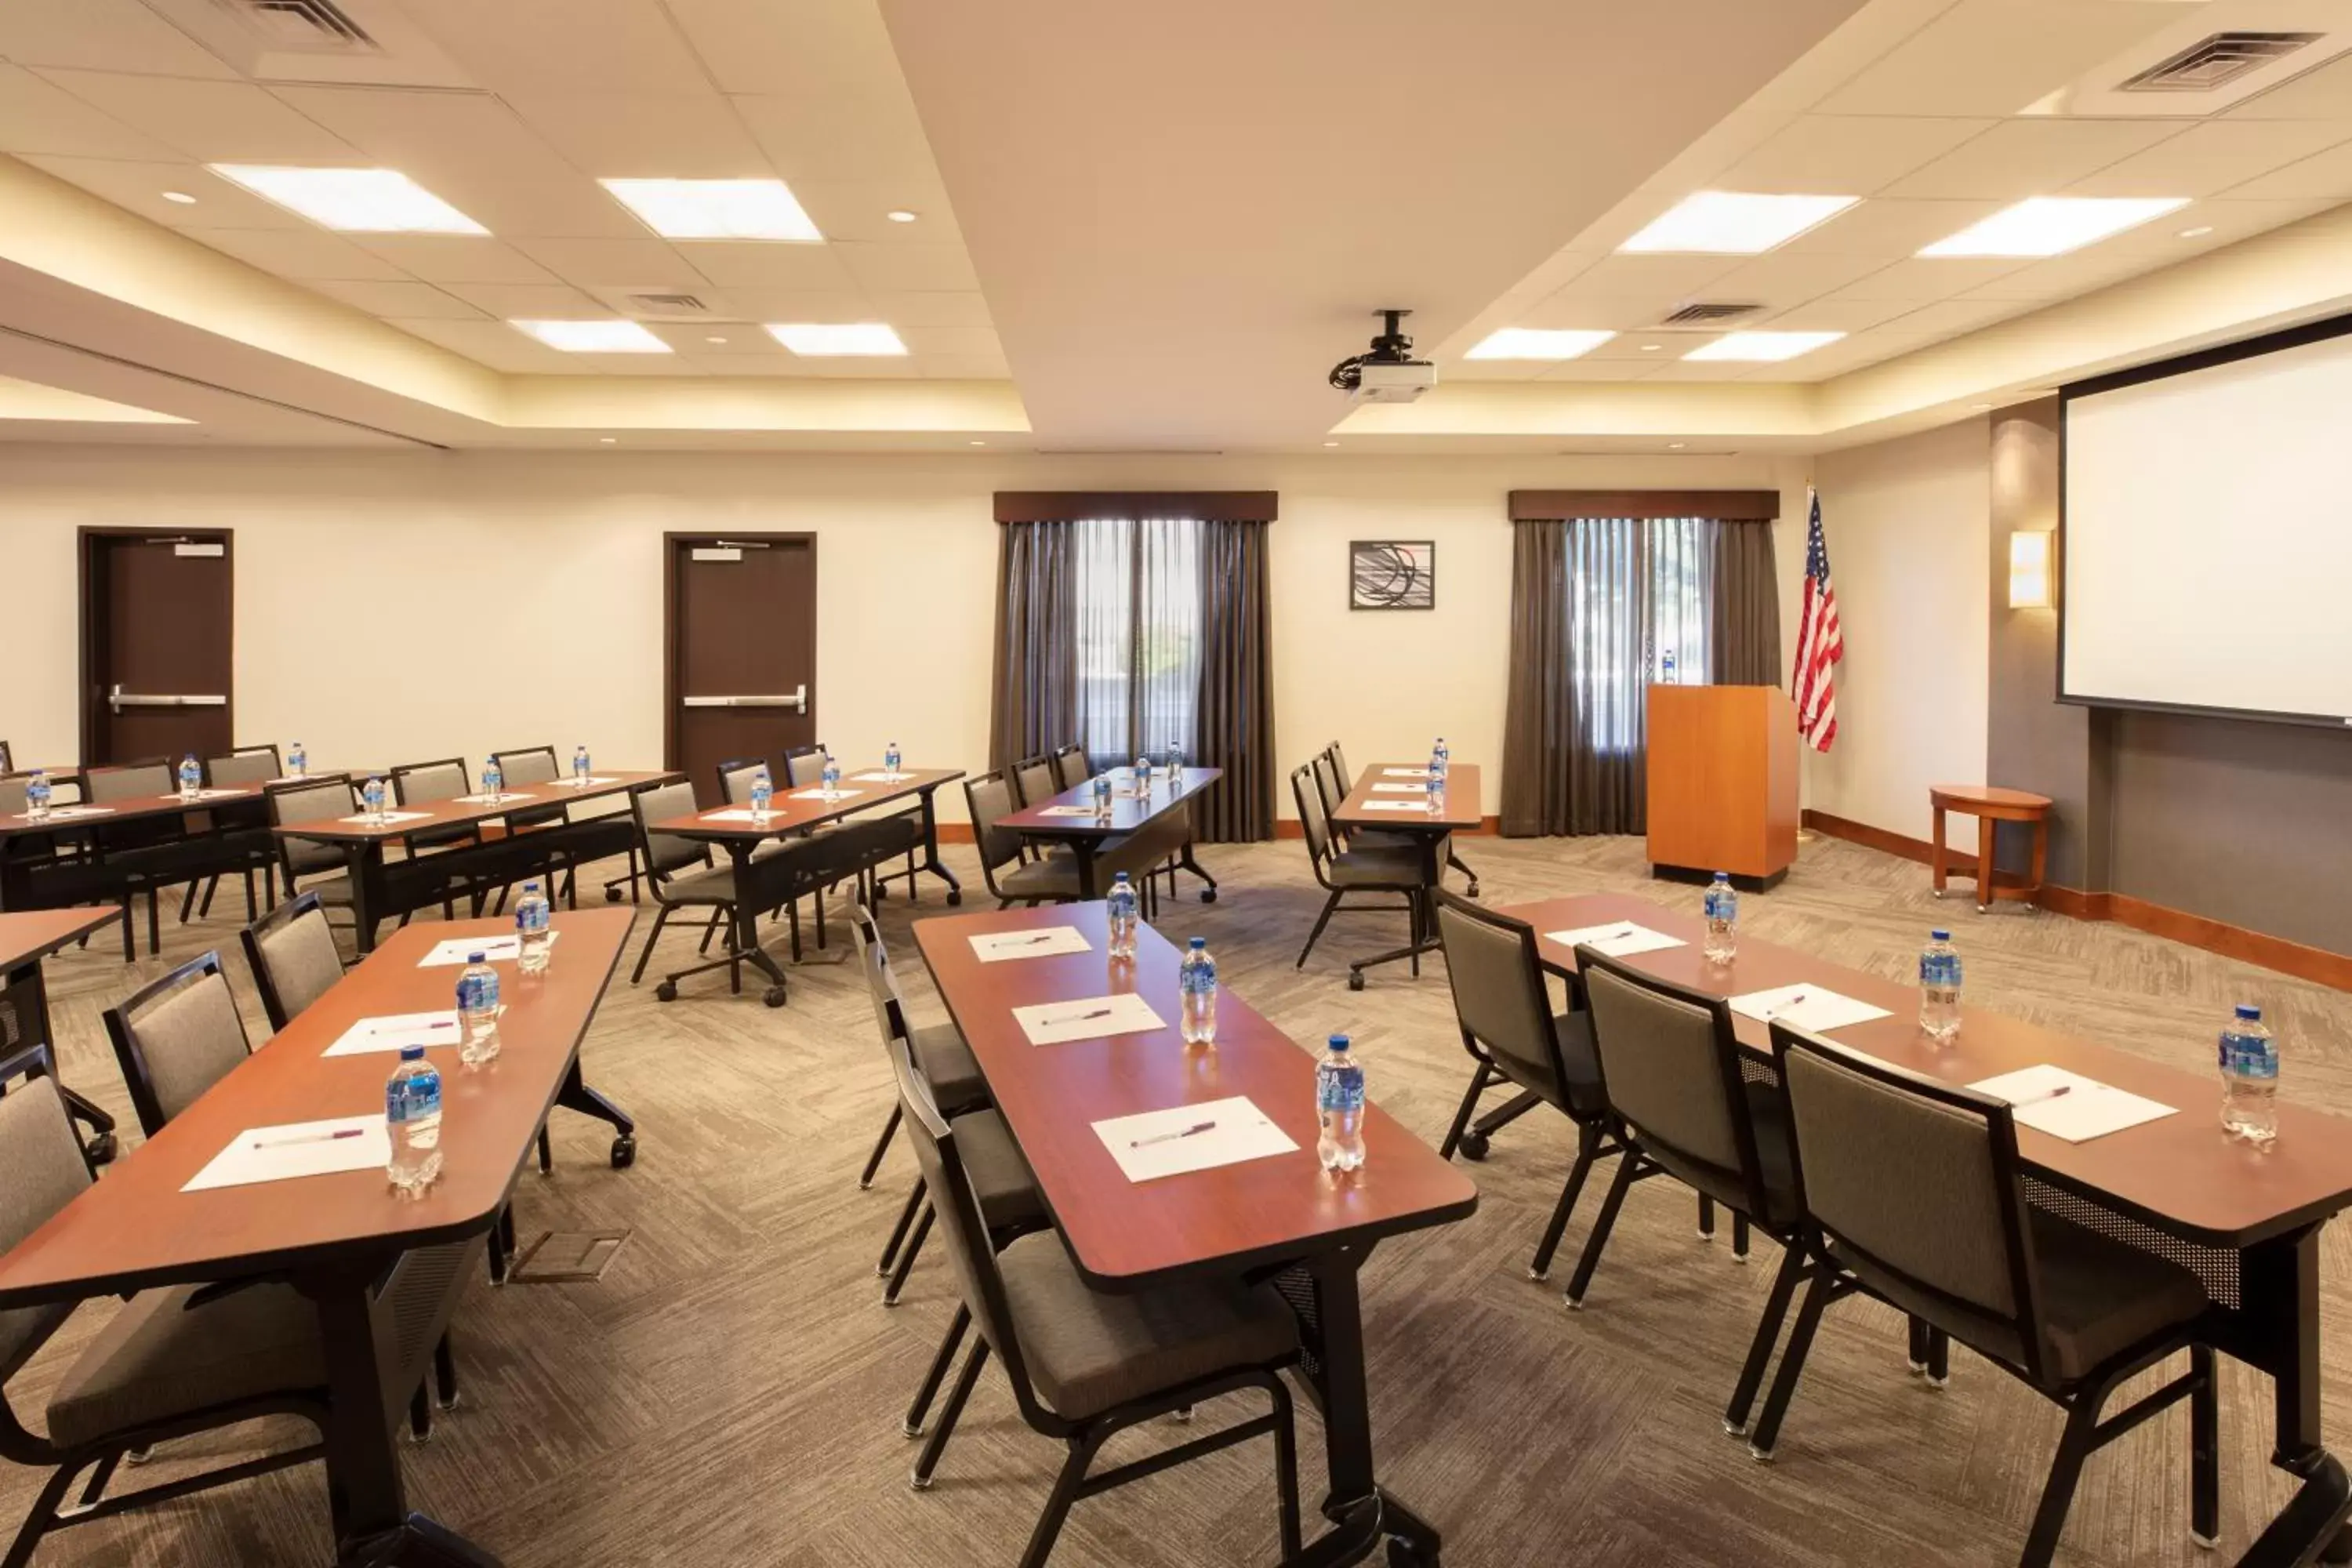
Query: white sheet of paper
1043	942
364	820
215	795
1812	1008
1068	811
395	1030
583	783
1404	773
880	778
735	813
2088	1109
494	799
295	1149
1185	1138
1086	1019
1419	805
1622	940
493	949
69	813
820	795
1400	789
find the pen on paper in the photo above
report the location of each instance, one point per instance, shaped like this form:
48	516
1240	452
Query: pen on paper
309	1138
1171	1137
1783	1010
410	1029
1076	1018
2063	1089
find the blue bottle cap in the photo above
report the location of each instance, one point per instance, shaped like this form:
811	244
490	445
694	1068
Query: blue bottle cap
476	958
1723	876
2251	1014
1339	1042
531	887
1198	943
1939	936
1120	877
411	1053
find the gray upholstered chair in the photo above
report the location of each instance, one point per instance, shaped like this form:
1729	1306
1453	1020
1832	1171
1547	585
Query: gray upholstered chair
292	953
310	865
1037	780
1502	1006
1342	871
1914	1194
244	765
804	766
598	834
680	876
175	1038
1071	768
1009	877
940	1049
1344	781
433	784
1085	1366
140	856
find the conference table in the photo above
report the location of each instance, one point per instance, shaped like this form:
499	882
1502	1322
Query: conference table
26	938
1393	797
1071	819
794	811
2246	1222
20	873
1280	1218
334	1237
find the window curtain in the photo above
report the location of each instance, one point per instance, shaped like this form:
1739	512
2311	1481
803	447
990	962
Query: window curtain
1233	727
1744	616
1034	685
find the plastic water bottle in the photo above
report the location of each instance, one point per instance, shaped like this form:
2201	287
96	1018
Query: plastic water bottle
1722	919
829	778
1939	987
1196	979
1175	761
890	759
1340	1107
2250	1066
1102	795
1666	668
763	793
533	940
579	766
372	794
1123	916
477	1010
494	779
36	796
1440	760
412	1113
191	777
298	762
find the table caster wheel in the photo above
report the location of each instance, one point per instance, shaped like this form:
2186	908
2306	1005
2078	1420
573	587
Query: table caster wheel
1355	980
881	891
665	991
773	996
955	896
1208	895
101	1149
1473	1145
1935	892
1473	887
612	895
1403	1553
624	1152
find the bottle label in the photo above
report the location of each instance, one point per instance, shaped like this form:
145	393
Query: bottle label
2247	1056
477	992
412	1098
1722	904
1335	1090
1197	977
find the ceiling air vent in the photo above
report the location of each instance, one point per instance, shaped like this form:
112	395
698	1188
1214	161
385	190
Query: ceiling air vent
667	305
1706	313
2218	61
301	24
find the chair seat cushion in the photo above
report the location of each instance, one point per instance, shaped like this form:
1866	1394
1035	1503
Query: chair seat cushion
999	1176
1088	1351
2100	1296
715	886
159	1360
1767	1112
949	1068
1376	868
1055	876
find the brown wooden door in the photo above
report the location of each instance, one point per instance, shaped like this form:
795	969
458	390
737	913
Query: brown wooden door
157	648
742	651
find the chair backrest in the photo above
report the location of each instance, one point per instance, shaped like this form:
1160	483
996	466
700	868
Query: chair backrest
46	1170
1311	822
420	783
131	781
990	800
313	800
528	765
245	765
176	1039
1331	786
665	854
1670	1067
881	985
1036	779
11	793
1071	768
804	765
1339	761
735	776
7	758
1499	995
291	952
1913	1180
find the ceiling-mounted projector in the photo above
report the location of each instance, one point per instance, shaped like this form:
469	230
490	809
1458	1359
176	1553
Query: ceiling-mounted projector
1387	373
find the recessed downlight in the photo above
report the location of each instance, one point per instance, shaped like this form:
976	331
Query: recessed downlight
181	197
2199	232
900	215
355	201
714	338
1734	222
1762	346
607	440
980	443
2052	225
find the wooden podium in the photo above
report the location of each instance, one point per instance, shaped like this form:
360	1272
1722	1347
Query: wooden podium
1723	781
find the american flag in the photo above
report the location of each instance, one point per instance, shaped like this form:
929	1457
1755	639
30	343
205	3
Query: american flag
1820	644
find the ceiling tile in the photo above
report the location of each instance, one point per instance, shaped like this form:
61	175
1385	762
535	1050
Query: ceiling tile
102	35
964	367
847	368
1823	154
2322	94
2324	175
211	122
1888	229
925	341
754	45
829	133
1923	279
1950	317
1838	314
1791	278
755	304
1995	57
761	264
565	46
456	258
2065	276
494	345
141	186
574	208
938	309
434	138
642	263
305	254
418	301
524	301
745	339
1591	369
860	209
37	116
2229	218
2020	158
647	138
2214	156
909	268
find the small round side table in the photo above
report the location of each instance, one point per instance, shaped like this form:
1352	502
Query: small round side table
1991	805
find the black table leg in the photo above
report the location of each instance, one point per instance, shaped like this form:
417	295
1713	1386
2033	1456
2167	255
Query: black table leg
2276	1328
931	862
1363	1514
575	1095
1423	908
364	863
1083	849
1184	859
747	924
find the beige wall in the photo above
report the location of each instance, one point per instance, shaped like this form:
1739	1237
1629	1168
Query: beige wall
391	608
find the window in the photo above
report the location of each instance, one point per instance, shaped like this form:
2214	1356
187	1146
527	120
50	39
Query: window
1137	599
1639	600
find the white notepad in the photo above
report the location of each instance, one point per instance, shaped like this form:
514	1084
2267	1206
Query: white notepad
396	1031
735	813
1404	773
2087	1108
215	795
1622	940
881	778
1812	1008
363	820
1419	805
583	783
295	1149
493	949
1400	789
1068	811
1086	1019
69	813
820	795
494	799
1185	1138
1044	942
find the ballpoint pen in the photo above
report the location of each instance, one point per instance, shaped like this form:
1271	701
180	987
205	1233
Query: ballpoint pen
1075	1017
309	1138
1171	1137
2063	1088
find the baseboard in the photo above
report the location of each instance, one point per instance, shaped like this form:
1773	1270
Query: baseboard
1289	828
2273	952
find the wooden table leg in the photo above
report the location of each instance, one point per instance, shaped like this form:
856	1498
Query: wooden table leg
1985	839
2040	856
1938	859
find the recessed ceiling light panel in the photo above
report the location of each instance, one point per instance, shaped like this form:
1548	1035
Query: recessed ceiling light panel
1762	346
1734	222
2052	225
900	215
826	340
717	209
355	201
181	199
1533	343
612	336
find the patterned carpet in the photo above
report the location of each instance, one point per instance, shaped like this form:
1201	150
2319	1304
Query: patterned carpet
729	1393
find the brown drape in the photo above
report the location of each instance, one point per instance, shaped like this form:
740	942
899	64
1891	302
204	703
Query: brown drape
1579	600
1034	690
1744	616
1233	726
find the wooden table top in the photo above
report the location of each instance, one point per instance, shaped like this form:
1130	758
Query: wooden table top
1126	1236
136	1229
83	815
33	935
1984	799
1464	808
1127	812
791	814
426	816
2180	1171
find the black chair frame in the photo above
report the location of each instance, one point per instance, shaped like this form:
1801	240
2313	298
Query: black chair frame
1316	825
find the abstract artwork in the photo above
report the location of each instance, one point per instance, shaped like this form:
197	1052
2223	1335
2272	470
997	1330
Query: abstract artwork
1393	575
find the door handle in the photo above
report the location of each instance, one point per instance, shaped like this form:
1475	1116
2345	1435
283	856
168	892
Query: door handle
796	699
118	699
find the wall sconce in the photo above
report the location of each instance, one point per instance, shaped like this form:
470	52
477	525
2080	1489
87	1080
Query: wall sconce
2029	571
